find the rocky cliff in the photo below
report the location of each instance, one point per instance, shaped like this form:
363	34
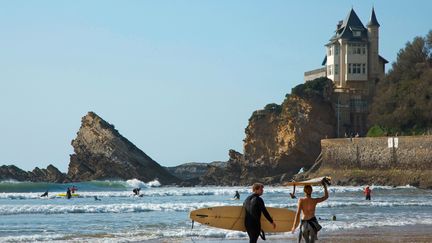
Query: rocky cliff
280	140
102	153
50	174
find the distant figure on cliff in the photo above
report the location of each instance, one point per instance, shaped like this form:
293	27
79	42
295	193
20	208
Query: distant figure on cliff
68	193
237	196
45	194
136	191
367	191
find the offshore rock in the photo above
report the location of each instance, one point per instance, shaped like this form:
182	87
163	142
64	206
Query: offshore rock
50	174
102	153
193	170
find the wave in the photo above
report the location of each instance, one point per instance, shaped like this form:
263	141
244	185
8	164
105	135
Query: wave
107	185
107	208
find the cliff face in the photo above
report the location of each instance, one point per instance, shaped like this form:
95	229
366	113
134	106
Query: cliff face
193	170
381	161
50	174
280	140
102	153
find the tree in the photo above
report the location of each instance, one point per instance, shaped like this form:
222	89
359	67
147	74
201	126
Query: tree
403	101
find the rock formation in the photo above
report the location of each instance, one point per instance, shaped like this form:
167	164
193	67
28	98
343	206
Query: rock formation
193	170
102	153
50	174
280	140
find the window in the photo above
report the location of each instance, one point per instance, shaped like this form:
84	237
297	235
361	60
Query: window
357	68
356	33
329	50
336	50
330	69
336	71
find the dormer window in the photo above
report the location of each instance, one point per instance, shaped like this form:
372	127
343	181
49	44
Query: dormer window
356	33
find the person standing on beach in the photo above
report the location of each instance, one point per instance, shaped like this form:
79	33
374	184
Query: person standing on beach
367	192
309	225
254	206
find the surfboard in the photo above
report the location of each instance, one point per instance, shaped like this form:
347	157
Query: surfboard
232	218
64	195
312	182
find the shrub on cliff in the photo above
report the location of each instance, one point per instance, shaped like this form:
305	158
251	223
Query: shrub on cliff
403	100
318	86
376	131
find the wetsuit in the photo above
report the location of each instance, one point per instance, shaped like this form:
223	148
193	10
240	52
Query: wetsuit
309	230
254	205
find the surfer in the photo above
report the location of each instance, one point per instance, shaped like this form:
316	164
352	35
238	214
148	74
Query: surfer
136	191
68	193
309	226
73	189
97	199
237	196
254	206
367	192
45	194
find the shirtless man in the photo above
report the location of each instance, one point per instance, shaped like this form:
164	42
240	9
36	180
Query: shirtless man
309	226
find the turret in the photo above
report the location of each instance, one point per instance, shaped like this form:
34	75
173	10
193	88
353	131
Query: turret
373	56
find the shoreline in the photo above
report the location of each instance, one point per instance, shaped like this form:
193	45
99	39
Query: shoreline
408	233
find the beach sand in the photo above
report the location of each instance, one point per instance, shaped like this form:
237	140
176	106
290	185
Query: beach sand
415	233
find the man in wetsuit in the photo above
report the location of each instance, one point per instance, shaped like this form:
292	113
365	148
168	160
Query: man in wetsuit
136	191
309	226
254	206
237	195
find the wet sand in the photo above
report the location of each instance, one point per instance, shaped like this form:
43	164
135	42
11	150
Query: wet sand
415	233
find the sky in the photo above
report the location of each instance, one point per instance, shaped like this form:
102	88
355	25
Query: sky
179	79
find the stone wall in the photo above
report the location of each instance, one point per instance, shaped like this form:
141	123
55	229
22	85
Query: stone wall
410	152
361	161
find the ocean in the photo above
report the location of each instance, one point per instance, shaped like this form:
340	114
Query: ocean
162	214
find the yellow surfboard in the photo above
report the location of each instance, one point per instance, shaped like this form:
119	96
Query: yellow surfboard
232	218
313	182
64	195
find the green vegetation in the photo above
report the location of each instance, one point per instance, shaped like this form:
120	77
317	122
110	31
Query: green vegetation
403	100
376	131
273	107
319	86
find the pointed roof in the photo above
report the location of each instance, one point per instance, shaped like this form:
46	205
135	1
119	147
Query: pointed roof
373	20
350	24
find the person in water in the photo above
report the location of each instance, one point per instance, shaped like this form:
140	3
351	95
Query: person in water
237	196
97	199
136	191
45	194
73	189
309	226
367	192
254	206
68	193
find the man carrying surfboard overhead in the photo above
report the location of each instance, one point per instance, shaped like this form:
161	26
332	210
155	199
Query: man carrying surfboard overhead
309	226
254	206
